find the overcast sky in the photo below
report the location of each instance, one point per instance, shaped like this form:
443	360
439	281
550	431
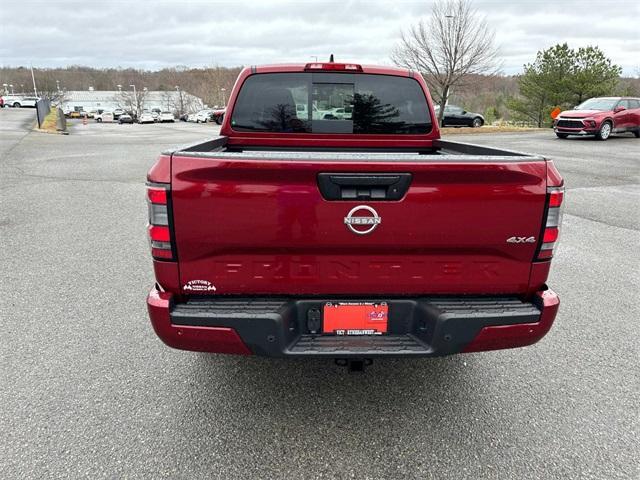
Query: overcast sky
156	34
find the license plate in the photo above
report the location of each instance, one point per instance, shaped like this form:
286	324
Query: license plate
355	318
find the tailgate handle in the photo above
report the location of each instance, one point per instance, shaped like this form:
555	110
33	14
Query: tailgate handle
363	186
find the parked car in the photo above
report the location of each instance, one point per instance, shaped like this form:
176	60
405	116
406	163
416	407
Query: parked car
117	112
97	116
146	117
1	102
167	117
10	99
600	117
342	113
455	116
125	118
192	117
204	116
382	241
106	117
155	113
218	115
21	102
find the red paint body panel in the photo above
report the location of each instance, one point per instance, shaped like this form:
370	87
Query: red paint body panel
167	275
518	335
262	227
160	172
199	339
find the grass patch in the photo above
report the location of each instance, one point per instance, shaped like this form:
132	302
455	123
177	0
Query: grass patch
490	129
49	123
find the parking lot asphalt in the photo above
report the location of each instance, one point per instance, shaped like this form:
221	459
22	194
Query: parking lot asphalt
88	391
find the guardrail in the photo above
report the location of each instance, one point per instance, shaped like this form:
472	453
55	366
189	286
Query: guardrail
43	107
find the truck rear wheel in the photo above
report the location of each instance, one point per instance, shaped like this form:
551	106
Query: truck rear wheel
637	133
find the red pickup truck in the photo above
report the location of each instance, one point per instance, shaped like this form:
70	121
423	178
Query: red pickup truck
330	220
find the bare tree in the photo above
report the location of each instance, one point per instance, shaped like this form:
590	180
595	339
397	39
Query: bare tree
454	43
131	102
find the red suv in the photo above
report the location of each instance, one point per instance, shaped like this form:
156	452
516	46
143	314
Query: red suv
600	117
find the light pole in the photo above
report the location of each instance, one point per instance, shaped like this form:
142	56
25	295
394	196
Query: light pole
135	98
33	79
224	97
181	113
315	57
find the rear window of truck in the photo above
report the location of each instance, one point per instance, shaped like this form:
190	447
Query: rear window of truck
331	103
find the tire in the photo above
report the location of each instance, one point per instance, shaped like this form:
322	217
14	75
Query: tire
219	119
477	122
637	133
605	131
99	120
16	105
562	135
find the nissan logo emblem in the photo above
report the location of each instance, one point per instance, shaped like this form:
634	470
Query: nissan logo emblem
362	225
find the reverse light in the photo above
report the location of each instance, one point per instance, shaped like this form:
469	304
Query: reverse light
551	233
159	229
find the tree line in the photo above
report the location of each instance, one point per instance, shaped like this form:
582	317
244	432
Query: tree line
206	83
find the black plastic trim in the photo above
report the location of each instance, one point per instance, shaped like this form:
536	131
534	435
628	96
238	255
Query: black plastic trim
427	326
364	186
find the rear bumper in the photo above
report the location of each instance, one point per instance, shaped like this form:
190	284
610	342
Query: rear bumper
418	327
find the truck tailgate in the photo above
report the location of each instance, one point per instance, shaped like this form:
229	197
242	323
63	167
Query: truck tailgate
262	226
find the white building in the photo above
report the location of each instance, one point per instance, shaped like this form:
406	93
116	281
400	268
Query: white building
92	100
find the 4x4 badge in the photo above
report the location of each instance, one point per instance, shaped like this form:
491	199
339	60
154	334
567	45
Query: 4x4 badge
521	240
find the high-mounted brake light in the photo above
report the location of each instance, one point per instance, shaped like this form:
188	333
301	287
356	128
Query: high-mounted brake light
551	233
334	66
159	226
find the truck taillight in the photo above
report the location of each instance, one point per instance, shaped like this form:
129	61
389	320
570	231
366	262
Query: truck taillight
551	233
159	228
